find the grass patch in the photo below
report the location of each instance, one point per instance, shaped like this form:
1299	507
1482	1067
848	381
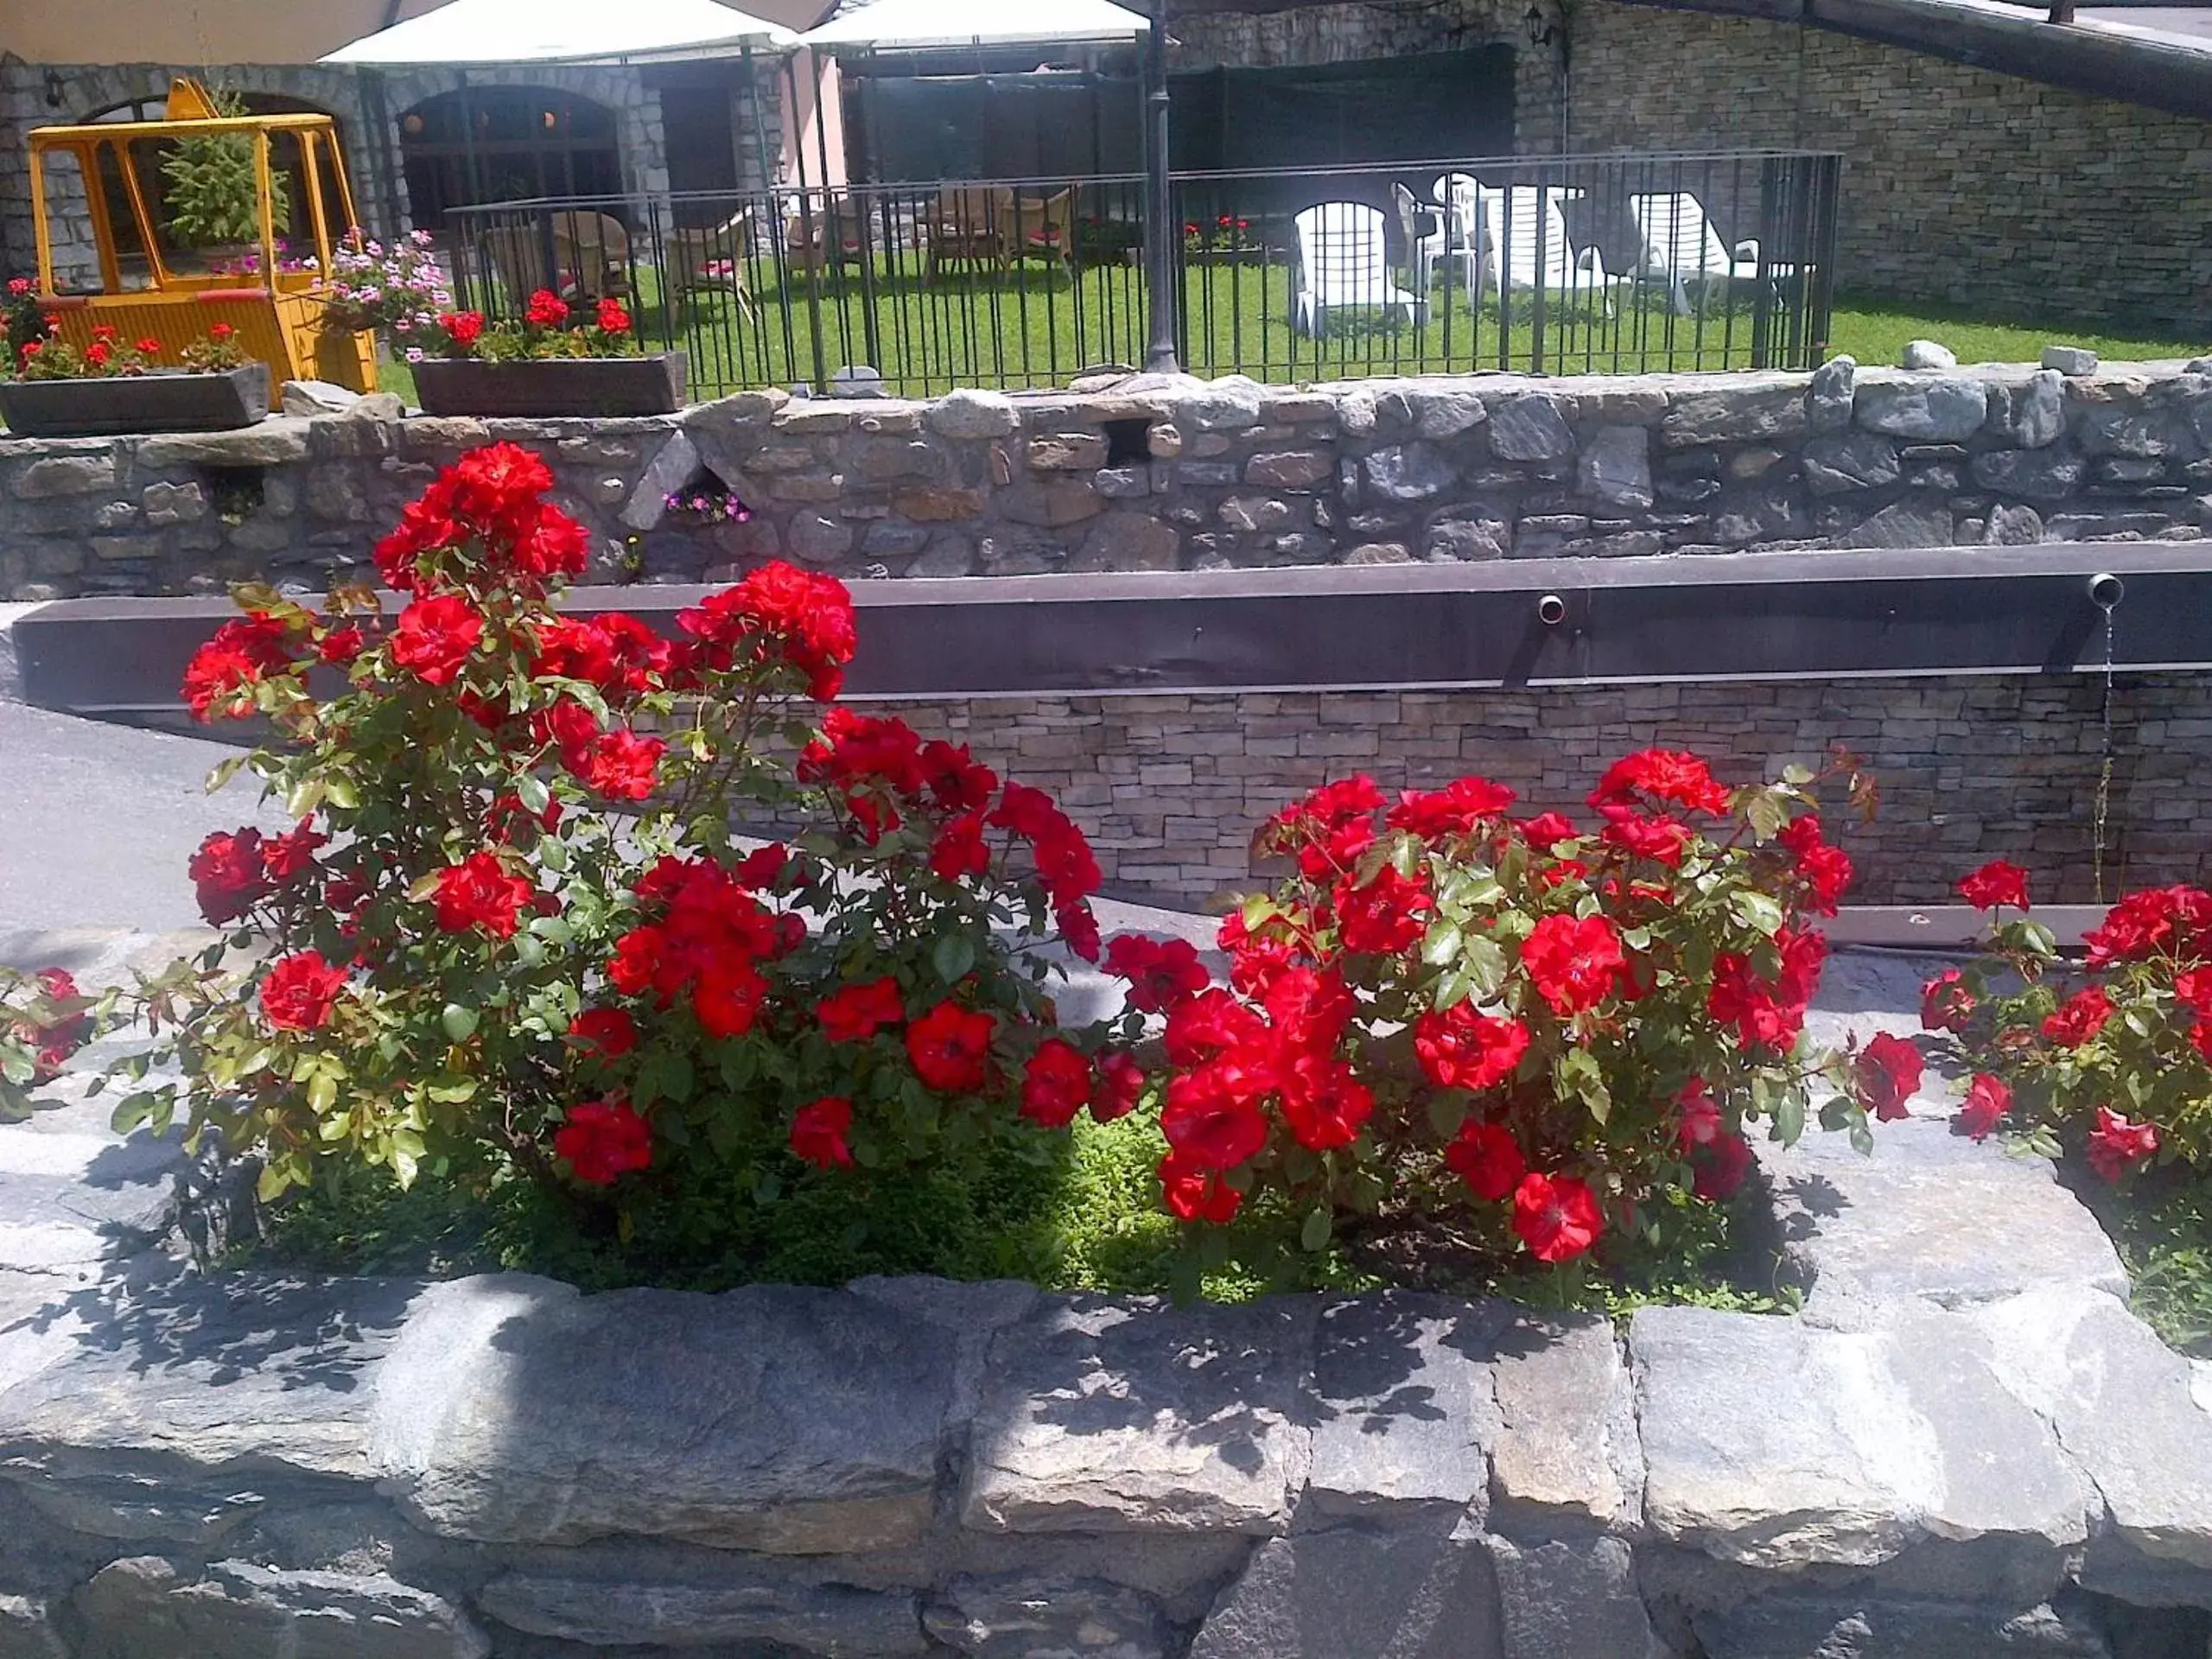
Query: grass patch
1073	1212
2161	1223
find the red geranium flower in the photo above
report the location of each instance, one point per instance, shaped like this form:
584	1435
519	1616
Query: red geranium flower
607	1034
230	876
546	309
613	319
220	332
1161	973
1986	1102
603	1139
1487	1158
818	1131
1193	1191
1055	1084
1556	1216
1574	962
463	327
2079	1018
1120	1083
1460	808
858	1012
435	637
950	1048
1946	1004
1996	884
478	892
299	991
2117	1145
1885	1073
1461	1048
1663	774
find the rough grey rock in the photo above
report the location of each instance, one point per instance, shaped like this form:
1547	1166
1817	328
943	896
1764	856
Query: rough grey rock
316	397
1567	1445
2012	526
1128	541
1816	1626
1467	539
1293	469
146	1607
60	475
1018	1617
1408	472
2132	430
1829	396
1576	1597
1530	428
949	554
817	538
1403	1411
1915	521
1917	1217
775	1419
1616	467
26	1630
2038	410
1851	461
67	1198
1101	1416
1411	1594
1050	503
2120	1402
1927	354
673	466
2070	359
1228	405
1749	413
2047	474
278	441
738	1606
1931	412
1445	412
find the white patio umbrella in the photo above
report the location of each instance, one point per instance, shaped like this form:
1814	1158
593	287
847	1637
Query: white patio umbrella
475	31
916	25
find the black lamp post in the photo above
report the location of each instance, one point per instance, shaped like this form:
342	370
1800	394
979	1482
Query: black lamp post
1159	241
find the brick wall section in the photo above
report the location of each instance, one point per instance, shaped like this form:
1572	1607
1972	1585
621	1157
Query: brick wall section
1170	788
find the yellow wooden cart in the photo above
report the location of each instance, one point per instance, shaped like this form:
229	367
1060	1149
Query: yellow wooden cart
150	286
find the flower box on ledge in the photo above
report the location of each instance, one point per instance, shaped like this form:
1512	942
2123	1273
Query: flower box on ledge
556	385
101	406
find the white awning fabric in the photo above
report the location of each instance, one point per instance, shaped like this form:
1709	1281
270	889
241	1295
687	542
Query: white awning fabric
567	31
918	25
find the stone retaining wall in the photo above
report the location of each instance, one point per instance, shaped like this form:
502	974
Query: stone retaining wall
1965	1446
1156	473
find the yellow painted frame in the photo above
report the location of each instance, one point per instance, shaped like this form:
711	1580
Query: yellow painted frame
277	316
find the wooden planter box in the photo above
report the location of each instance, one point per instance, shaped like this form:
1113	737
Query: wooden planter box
138	403
574	385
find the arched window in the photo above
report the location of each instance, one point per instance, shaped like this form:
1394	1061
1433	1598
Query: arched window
506	143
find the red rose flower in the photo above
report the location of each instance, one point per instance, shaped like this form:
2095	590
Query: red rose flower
299	991
1488	1159
1324	1104
1462	807
603	1139
2171	919
2194	987
291	854
1212	1123
1547	829
955	779
239	655
478	892
726	997
1078	929
621	765
1768	1014
1946	1004
1885	1073
2117	1145
1161	973
1824	868
1659	838
1055	1084
1986	1102
1556	1216
858	1012
1662	774
778	616
1194	1192
2078	1019
950	1048
1717	1169
818	1131
1996	884
959	850
1120	1084
1385	915
230	876
1574	962
435	637
546	309
1213	1022
340	645
605	1034
1461	1048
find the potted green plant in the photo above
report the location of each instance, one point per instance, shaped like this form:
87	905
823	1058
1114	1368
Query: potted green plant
210	197
549	362
110	386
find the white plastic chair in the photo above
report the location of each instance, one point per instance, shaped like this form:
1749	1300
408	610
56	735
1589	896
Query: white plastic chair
1681	246
1341	262
1524	246
1428	249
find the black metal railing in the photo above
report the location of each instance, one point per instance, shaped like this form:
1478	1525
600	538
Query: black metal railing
1563	265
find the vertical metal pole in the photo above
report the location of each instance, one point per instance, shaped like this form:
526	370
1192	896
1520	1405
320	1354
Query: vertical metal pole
1160	239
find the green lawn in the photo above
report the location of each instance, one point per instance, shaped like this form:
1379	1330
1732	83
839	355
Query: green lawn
1037	327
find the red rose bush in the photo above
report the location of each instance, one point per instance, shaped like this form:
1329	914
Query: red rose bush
2112	1058
1543	1034
510	933
44	1020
